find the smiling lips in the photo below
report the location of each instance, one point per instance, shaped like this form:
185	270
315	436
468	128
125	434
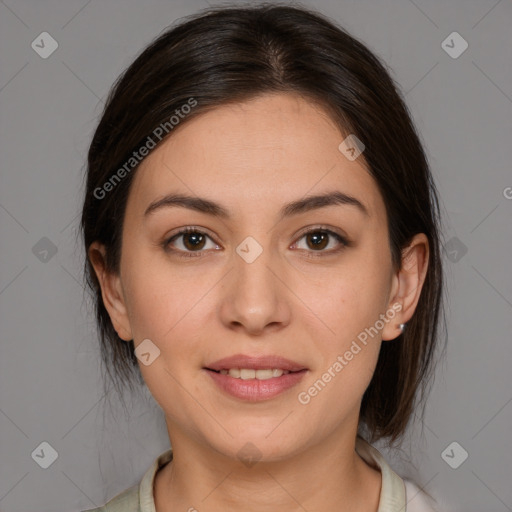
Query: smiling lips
255	363
249	373
255	378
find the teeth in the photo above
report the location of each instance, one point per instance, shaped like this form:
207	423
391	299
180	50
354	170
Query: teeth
247	373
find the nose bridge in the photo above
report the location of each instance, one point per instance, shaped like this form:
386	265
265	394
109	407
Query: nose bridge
252	262
254	297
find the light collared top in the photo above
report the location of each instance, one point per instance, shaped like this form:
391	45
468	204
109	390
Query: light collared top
396	494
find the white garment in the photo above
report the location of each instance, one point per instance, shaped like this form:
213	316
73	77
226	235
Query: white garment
416	500
396	495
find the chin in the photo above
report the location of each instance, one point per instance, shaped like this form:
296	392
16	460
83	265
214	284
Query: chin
255	444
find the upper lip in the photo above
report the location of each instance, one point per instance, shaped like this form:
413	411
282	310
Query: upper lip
255	363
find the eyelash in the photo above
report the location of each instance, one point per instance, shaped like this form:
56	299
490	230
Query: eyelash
311	253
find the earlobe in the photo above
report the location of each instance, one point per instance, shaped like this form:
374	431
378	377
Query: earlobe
407	285
111	291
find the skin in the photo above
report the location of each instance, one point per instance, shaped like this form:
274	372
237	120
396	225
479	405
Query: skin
252	158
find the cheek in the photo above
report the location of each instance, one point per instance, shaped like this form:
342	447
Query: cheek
167	310
168	305
150	308
352	298
350	306
346	357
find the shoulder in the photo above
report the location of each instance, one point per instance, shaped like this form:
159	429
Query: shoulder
138	498
417	501
127	501
397	493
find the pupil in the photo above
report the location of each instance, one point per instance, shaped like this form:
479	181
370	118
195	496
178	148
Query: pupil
318	240
195	238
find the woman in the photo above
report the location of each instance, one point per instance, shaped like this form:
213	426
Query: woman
262	232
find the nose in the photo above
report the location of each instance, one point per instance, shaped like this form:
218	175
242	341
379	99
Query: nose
254	299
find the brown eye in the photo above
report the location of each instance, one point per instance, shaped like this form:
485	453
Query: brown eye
319	239
194	241
189	242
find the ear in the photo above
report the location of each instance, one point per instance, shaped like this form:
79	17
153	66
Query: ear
407	284
111	292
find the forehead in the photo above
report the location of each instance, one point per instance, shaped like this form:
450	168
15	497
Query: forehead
254	155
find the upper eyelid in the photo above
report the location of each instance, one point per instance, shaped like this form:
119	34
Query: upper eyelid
322	227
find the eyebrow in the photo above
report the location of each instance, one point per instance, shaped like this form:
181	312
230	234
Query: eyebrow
303	205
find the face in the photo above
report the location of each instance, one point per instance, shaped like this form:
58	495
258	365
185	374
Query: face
256	280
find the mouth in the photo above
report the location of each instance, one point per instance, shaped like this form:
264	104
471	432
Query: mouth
247	364
255	378
251	373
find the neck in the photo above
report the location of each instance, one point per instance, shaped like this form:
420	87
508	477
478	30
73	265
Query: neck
328	477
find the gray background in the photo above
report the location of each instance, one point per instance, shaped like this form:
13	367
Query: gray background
50	380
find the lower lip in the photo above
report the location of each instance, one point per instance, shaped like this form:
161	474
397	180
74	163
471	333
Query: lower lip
255	390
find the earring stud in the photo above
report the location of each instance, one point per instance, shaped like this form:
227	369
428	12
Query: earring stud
402	327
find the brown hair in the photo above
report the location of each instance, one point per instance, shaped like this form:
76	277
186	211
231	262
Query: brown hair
231	54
